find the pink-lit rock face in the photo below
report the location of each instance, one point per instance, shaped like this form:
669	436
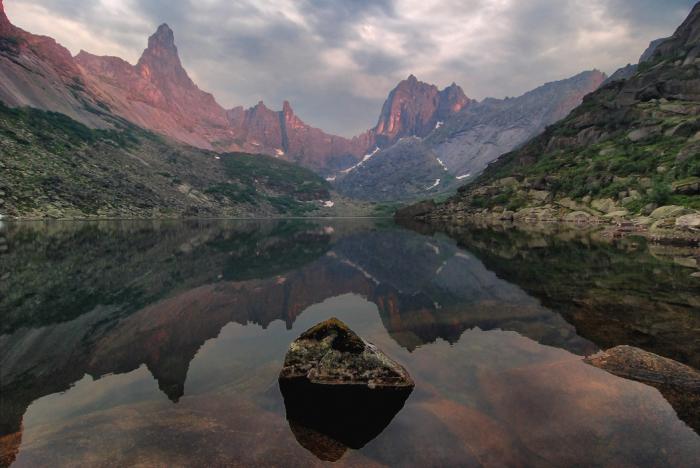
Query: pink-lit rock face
157	94
36	71
415	108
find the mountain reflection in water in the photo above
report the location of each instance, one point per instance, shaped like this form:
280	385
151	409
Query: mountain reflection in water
208	309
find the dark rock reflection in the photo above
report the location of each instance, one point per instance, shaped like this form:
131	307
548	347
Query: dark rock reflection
329	419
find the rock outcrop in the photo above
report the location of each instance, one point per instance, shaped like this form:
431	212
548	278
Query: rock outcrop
284	135
630	69
339	391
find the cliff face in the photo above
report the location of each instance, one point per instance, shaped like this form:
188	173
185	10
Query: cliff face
414	108
685	42
475	137
283	134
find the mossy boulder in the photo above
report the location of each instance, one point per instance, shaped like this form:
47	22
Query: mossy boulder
670	211
331	353
339	391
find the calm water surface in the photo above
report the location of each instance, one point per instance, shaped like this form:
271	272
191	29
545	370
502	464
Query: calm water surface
159	343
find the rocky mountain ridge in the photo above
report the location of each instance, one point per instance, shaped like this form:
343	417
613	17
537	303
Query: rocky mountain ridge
630	69
629	155
458	144
156	94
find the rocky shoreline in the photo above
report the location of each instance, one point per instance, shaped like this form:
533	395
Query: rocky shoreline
669	224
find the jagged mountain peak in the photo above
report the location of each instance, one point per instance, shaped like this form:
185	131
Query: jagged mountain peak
163	38
414	108
161	47
161	60
158	94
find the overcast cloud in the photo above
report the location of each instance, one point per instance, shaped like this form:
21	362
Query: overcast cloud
335	61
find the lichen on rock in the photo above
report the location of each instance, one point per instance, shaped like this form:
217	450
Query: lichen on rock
331	353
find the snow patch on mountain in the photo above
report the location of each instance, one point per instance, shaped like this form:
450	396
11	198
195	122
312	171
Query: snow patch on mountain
365	158
437	182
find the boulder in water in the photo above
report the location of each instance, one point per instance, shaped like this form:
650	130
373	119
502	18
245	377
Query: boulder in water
340	391
677	382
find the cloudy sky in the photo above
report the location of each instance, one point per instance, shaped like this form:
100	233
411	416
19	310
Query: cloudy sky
336	60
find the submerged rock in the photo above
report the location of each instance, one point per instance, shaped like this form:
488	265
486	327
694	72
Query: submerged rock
678	383
339	391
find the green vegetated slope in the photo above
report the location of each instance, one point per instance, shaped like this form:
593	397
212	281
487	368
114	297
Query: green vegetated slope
657	163
53	166
632	146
